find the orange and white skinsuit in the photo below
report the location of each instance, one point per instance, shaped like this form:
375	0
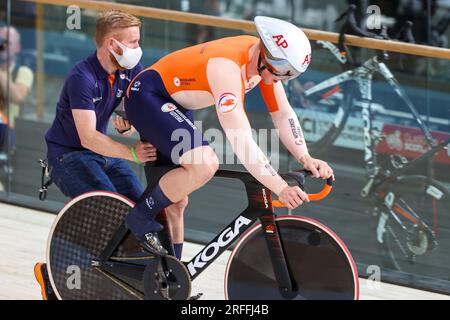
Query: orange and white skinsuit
215	73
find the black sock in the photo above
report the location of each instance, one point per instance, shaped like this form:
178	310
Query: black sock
178	248
141	219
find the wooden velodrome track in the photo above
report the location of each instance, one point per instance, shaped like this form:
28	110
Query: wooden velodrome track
23	237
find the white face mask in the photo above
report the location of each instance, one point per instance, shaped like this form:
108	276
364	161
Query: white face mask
129	58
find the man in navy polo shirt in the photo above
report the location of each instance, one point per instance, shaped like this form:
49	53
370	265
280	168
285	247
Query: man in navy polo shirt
81	156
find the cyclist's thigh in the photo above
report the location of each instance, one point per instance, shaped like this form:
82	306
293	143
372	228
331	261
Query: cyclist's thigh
162	122
124	179
78	172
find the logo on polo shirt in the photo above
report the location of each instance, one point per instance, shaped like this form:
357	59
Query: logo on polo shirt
123	76
136	86
95	100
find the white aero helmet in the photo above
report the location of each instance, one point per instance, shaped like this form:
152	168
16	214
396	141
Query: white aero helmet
285	50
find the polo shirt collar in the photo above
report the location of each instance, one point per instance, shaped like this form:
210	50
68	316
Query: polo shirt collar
98	69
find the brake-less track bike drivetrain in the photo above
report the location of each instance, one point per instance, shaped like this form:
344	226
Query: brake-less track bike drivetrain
92	255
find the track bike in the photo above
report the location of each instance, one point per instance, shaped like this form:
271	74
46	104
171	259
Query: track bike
275	257
407	205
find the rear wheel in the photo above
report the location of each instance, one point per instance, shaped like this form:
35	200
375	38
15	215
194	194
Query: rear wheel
320	264
81	232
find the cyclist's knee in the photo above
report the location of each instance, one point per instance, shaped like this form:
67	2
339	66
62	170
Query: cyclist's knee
202	174
211	162
180	205
202	163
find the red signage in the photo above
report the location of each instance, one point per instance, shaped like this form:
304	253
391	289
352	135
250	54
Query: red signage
410	142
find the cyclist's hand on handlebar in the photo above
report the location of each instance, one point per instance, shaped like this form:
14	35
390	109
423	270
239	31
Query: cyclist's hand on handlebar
318	168
293	197
145	151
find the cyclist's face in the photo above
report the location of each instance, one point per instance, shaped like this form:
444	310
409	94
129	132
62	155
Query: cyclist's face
268	78
271	76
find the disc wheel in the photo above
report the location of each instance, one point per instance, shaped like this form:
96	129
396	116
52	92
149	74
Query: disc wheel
321	266
78	236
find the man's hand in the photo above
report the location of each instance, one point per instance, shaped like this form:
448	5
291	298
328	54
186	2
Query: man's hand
319	168
293	197
145	151
122	126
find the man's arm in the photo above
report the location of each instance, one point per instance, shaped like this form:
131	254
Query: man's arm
81	101
286	122
86	121
228	94
224	77
290	131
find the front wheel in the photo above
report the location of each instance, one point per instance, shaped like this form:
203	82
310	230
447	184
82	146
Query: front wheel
321	266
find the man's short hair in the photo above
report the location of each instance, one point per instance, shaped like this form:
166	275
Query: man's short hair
111	21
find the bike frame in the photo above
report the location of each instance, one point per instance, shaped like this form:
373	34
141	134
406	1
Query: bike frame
259	208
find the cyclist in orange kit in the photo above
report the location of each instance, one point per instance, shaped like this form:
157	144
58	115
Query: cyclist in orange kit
218	73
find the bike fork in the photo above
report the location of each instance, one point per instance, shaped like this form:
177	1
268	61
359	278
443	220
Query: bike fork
278	257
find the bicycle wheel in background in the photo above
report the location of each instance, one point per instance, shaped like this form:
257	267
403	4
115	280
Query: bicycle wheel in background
79	235
320	264
417	250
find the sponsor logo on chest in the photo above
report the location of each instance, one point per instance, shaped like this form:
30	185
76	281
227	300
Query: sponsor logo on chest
183	81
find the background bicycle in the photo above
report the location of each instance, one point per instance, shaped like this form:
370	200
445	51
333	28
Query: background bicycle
411	208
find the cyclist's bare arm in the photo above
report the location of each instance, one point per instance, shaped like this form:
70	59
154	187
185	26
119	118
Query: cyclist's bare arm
228	95
290	131
91	139
286	121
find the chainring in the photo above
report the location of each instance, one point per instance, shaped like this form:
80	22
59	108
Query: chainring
166	278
